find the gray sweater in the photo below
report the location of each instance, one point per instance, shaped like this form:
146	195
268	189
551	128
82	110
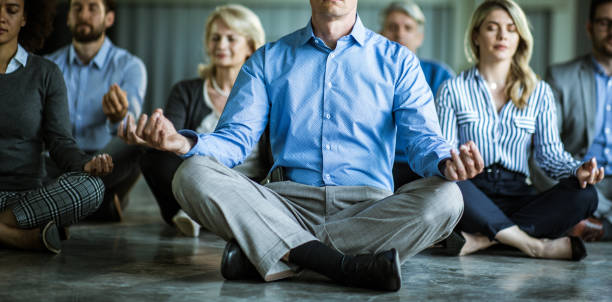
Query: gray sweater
34	117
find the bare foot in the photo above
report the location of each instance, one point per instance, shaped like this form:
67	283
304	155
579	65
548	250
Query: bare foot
474	243
20	238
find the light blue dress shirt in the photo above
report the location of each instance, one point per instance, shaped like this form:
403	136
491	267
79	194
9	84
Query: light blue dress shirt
601	148
87	84
18	60
333	114
435	74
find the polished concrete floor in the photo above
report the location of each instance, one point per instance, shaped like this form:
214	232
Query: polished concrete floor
142	259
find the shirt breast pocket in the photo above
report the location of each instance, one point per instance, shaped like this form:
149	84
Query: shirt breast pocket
525	123
467	117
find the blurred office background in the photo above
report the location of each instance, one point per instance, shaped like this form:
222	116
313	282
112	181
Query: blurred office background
167	34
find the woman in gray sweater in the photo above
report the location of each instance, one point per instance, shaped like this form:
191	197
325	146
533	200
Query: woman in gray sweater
232	34
34	118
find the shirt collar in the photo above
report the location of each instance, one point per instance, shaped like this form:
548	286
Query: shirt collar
358	32
598	68
474	73
98	60
21	56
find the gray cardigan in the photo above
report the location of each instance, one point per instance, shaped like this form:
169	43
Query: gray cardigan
34	117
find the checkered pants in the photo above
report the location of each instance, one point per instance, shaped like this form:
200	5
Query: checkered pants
68	199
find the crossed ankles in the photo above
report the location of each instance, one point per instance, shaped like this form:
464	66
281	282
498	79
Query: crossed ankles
380	271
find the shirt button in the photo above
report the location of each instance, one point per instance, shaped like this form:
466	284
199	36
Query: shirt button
607	130
332	55
608	108
329	84
328	147
328	116
327	176
606	150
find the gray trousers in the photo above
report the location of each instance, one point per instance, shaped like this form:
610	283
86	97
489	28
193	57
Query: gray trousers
268	221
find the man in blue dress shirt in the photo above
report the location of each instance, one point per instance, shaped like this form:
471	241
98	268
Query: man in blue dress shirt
333	94
404	23
104	83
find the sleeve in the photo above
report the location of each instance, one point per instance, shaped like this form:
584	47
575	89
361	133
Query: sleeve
243	120
549	151
446	114
177	106
134	83
418	129
56	125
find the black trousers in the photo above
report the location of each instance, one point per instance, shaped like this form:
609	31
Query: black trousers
498	198
158	169
402	174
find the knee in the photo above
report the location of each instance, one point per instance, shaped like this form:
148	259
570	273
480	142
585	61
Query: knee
445	203
193	174
581	200
90	188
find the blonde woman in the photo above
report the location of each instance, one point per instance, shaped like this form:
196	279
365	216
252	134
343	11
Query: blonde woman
231	34
502	106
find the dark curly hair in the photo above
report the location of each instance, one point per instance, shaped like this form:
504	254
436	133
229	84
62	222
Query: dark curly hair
39	23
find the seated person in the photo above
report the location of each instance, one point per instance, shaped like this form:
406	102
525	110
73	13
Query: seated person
333	123
404	23
35	114
104	83
584	98
502	106
232	34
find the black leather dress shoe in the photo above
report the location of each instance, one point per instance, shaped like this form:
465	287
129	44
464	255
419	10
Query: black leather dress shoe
379	271
453	244
235	265
578	249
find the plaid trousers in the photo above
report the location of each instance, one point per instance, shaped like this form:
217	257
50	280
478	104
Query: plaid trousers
71	197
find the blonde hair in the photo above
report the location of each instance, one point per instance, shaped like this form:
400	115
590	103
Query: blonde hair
407	7
521	80
241	20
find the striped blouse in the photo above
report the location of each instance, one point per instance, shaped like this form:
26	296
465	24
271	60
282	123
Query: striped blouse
467	112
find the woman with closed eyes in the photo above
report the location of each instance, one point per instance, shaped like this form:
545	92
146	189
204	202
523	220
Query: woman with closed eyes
509	113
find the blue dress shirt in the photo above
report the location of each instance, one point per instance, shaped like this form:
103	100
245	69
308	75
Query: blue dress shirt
18	60
435	74
87	84
333	114
601	148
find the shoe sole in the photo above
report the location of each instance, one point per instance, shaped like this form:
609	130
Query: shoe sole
51	238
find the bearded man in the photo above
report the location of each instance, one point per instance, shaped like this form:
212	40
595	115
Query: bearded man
104	83
583	93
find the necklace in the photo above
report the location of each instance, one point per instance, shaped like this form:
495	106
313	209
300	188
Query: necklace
217	88
492	85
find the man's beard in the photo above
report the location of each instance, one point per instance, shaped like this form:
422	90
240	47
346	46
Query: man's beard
93	35
600	47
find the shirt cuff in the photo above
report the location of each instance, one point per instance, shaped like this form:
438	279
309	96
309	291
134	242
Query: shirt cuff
574	170
194	136
442	167
111	127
